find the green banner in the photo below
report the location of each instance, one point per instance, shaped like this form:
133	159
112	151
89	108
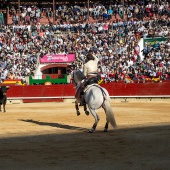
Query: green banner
151	41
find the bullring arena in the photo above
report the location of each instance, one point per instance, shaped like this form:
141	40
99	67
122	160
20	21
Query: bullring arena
50	136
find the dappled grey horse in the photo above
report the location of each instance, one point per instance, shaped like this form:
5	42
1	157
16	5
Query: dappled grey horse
95	97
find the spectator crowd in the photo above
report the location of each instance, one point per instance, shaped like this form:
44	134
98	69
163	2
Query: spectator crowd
114	42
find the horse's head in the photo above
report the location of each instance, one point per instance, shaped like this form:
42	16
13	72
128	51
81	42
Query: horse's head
78	76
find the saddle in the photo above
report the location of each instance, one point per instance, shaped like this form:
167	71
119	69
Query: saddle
91	80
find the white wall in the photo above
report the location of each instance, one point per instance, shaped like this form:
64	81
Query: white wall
37	72
140	43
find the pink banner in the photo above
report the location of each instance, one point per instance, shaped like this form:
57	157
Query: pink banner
57	58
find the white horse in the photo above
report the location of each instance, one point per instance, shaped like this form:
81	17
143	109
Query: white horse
95	97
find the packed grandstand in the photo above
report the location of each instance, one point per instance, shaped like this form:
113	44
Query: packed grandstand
113	30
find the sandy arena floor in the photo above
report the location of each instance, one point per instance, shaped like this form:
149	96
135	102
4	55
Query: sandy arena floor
47	136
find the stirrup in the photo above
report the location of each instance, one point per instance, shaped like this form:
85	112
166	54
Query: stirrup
82	103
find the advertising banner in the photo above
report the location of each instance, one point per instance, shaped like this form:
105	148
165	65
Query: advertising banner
57	58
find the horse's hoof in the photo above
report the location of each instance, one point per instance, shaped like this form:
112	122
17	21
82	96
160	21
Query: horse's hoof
105	130
78	113
91	131
87	112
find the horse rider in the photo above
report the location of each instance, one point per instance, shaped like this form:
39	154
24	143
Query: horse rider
90	73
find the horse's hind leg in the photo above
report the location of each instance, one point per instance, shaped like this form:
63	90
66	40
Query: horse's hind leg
106	126
85	109
77	108
96	117
107	122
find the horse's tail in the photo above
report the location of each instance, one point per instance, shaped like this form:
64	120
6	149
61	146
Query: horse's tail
109	112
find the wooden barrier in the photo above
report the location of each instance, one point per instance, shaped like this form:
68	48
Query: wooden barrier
57	92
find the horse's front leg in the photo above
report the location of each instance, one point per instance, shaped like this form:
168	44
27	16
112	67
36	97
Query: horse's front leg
96	118
77	108
85	110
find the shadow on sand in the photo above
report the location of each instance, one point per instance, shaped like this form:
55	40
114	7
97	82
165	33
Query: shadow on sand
134	148
57	125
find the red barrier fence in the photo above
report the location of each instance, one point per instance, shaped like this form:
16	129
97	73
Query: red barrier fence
161	89
135	89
